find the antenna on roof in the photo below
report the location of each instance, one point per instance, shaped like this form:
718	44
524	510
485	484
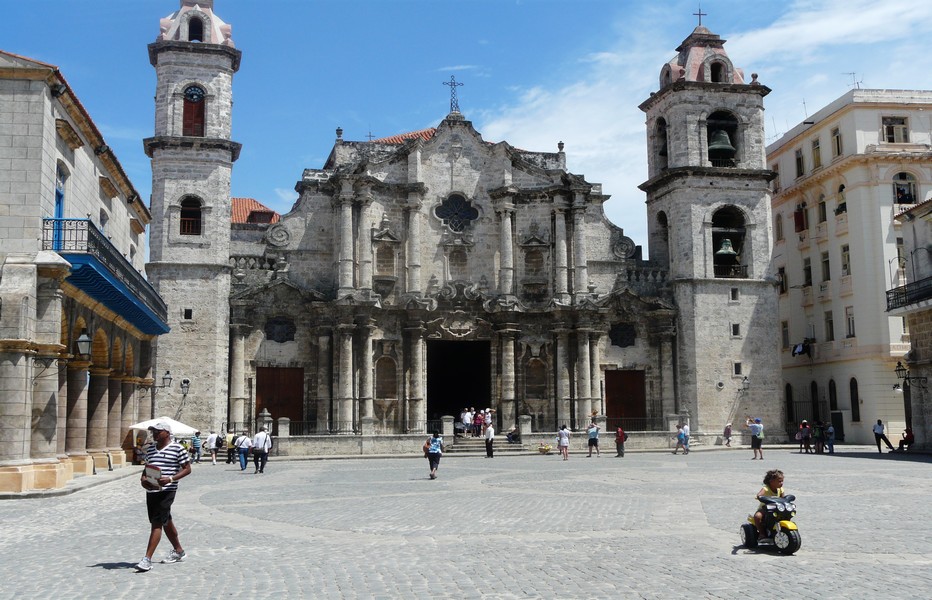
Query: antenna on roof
805	110
855	82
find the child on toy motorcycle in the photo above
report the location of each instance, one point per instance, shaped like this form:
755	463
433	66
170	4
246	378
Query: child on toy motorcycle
773	486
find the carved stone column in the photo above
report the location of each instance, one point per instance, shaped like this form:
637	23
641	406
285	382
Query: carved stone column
507	406
595	358
97	405
563	379
580	263
344	376
128	416
237	377
324	369
76	435
346	241
364	238
366	391
507	267
583	386
417	407
561	275
413	254
115	421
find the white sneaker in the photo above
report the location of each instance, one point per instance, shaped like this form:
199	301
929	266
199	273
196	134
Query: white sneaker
173	557
144	565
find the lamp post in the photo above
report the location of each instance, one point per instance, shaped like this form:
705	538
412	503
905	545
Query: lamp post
902	373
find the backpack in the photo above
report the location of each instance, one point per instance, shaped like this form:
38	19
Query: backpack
220	443
626	436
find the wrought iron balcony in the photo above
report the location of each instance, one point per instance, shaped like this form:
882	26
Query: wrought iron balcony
909	293
731	271
103	273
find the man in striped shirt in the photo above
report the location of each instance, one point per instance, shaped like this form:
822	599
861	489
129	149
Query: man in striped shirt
173	461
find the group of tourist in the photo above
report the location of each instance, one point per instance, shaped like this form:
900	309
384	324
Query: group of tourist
814	439
473	423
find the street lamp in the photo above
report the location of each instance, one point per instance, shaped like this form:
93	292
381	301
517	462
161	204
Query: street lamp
902	373
185	386
745	383
83	343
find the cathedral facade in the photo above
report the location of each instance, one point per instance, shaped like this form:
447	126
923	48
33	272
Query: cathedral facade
431	271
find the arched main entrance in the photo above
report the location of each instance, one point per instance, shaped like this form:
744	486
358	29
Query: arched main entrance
458	375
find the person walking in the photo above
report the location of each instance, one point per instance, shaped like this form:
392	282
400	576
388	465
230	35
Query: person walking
261	444
166	463
434	452
726	435
563	442
196	447
686	438
489	439
231	449
680	438
212	446
757	437
593	432
243	444
620	437
880	437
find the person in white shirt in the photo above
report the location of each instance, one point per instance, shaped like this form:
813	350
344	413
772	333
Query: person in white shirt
212	447
686	435
489	438
880	437
242	444
261	444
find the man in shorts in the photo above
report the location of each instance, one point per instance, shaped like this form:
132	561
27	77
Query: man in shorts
173	463
757	437
593	431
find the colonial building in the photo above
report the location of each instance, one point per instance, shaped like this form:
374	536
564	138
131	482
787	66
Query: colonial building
844	175
423	273
77	319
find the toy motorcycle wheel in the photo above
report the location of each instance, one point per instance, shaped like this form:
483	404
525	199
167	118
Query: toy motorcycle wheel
748	535
787	541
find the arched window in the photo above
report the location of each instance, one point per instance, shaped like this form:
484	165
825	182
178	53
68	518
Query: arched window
193	112
662	146
666	76
458	264
195	30
386	383
904	188
855	401
842	204
719	72
728	237
832	395
790	408
722	136
191	223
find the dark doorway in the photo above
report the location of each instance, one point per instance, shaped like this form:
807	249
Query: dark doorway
458	375
625	400
281	391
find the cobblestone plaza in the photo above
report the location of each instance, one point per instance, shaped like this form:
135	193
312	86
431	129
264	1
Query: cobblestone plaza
650	525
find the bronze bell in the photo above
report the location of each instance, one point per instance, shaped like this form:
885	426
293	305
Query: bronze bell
720	144
726	248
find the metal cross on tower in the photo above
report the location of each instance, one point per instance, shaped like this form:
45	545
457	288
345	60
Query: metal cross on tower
701	14
454	103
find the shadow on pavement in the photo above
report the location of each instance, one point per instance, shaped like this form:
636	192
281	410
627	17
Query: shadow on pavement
114	565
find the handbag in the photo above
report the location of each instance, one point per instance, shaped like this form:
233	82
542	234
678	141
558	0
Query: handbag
426	448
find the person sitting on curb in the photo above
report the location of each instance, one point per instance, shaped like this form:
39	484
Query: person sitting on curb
908	439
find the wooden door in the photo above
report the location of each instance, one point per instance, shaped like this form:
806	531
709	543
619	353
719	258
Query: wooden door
281	391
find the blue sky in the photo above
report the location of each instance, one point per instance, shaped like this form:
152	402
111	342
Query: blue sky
536	72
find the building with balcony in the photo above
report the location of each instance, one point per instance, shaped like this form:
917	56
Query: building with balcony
78	320
843	176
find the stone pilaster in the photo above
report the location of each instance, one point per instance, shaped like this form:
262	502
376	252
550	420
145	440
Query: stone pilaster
76	434
324	369
237	376
507	405
561	273
364	239
413	254
366	390
417	407
595	370
16	474
507	266
580	261
583	386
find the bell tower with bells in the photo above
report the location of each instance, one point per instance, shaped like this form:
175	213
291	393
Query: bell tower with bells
708	205
192	163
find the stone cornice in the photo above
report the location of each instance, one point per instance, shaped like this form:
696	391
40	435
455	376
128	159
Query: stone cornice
704	86
668	175
163	142
159	47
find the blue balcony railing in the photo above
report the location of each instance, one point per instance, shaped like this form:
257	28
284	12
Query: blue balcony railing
120	287
910	293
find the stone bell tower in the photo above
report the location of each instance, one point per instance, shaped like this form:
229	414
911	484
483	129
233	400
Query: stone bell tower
708	204
192	161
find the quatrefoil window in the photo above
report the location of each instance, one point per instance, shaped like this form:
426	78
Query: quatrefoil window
456	212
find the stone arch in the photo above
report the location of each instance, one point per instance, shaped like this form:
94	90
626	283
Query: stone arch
666	76
905	187
723	139
191	218
100	349
194	22
729	241
661	143
129	362
117	355
718	69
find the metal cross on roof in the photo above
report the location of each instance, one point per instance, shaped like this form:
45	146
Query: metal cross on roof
701	14
454	103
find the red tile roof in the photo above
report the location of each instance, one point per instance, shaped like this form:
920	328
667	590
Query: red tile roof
401	138
243	207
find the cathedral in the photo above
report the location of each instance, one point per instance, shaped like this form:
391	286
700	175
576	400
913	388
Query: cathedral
435	270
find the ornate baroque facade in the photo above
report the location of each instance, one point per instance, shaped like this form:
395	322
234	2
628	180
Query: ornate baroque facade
423	273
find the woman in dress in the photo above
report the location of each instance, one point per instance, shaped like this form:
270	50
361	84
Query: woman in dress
563	437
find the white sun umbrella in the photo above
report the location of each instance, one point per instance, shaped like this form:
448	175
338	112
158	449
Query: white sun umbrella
179	429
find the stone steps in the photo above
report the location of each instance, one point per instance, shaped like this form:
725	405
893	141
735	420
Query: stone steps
476	446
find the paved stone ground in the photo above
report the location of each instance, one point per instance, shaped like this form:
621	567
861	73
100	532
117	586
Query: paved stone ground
650	525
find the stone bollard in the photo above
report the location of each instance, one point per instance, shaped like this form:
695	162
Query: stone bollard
265	420
367	425
524	425
284	427
447	431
